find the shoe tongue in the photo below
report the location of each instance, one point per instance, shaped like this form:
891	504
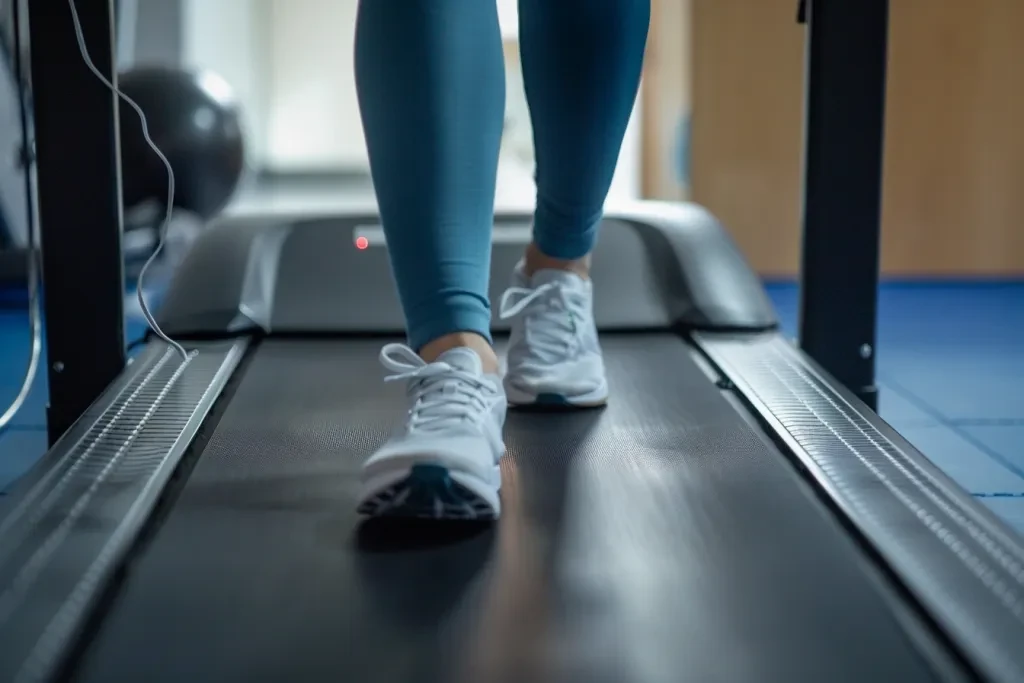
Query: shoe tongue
463	358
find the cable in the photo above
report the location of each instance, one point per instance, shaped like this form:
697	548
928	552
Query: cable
165	225
32	258
34	316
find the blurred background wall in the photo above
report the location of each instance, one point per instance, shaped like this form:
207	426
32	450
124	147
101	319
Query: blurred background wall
719	119
954	165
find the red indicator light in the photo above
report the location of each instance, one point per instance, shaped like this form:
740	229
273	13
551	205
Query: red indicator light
362	242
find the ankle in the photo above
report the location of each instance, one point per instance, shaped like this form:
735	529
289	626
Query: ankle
536	260
432	350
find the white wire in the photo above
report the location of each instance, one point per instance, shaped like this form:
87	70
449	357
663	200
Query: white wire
34	314
37	334
35	328
153	325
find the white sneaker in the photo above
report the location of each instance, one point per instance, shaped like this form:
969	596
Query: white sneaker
443	463
554	358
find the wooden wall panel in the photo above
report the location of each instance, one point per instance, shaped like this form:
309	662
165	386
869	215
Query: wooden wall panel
747	123
954	170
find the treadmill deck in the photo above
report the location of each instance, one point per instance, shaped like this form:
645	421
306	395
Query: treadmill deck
660	539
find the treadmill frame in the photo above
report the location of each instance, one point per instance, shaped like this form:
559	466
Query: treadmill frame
842	200
76	124
78	184
956	562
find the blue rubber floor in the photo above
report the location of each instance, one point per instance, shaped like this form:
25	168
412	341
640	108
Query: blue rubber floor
950	370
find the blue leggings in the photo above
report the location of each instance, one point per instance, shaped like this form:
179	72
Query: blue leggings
431	85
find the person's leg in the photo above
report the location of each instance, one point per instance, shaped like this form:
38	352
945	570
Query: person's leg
582	61
431	86
430	81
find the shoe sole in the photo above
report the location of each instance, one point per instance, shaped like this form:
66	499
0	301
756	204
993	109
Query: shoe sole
430	491
557	402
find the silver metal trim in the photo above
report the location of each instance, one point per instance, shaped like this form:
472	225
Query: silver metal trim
123	452
909	510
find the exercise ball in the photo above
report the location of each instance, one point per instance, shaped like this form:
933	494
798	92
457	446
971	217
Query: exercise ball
195	120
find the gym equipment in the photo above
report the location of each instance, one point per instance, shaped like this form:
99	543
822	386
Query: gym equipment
15	159
735	513
199	121
674	529
194	119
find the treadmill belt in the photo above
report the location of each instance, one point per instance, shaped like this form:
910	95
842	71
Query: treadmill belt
659	540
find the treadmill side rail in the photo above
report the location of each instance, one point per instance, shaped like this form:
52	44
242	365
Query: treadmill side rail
69	523
962	564
657	265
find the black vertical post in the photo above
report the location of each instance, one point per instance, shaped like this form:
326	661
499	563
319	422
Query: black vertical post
844	127
78	176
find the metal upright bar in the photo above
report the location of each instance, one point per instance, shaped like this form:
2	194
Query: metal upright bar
78	173
844	127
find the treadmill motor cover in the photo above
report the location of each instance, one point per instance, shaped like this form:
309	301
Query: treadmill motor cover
656	266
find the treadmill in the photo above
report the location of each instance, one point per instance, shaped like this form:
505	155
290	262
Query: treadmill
736	513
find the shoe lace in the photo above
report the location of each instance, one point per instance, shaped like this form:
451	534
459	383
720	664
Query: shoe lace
552	314
440	394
